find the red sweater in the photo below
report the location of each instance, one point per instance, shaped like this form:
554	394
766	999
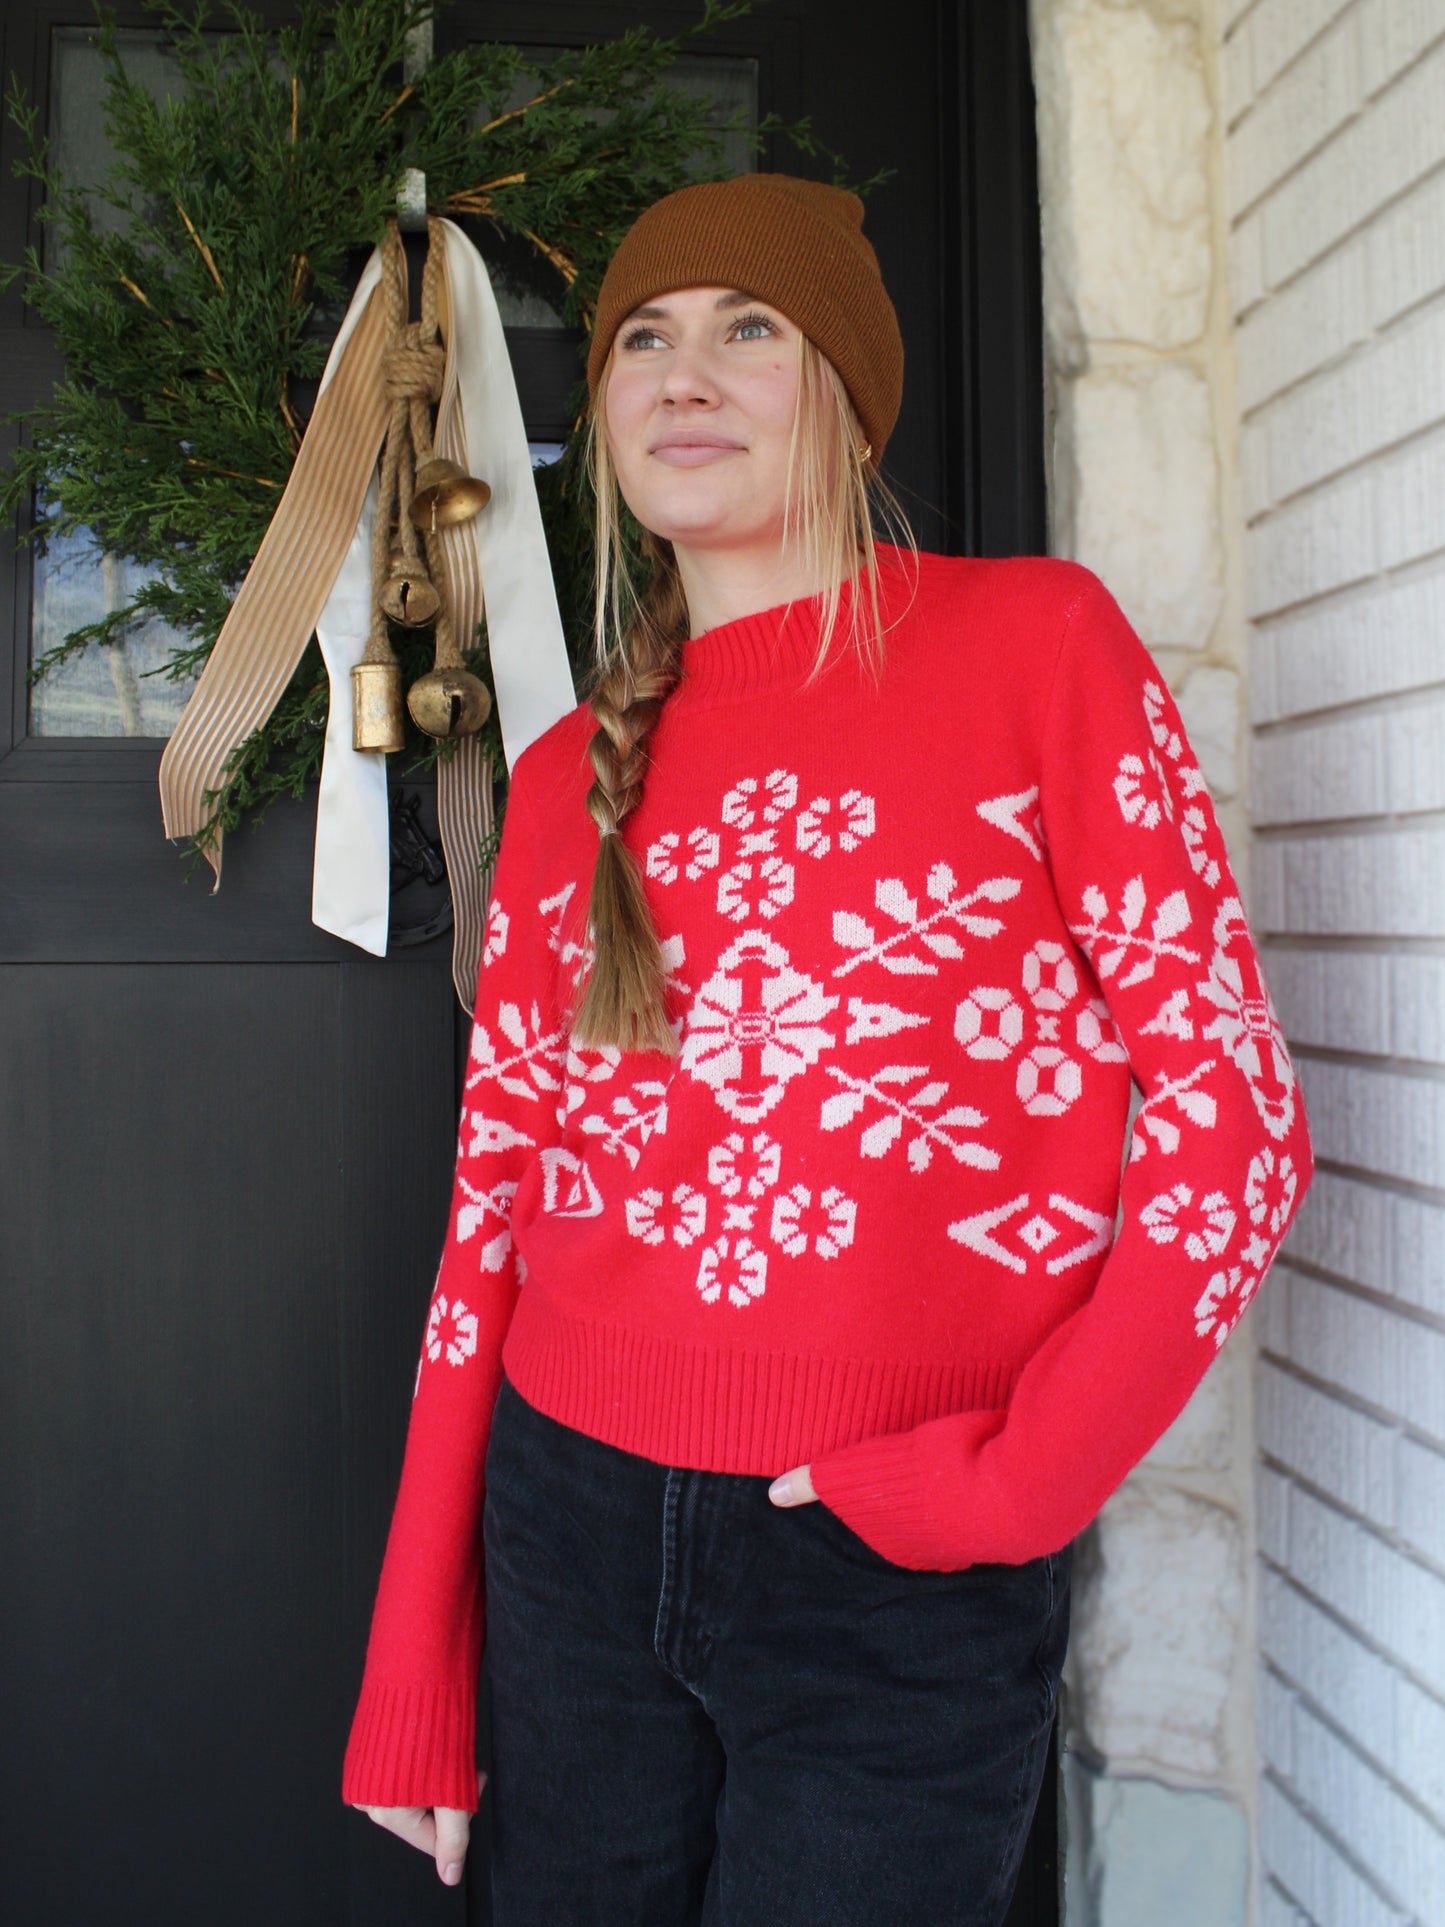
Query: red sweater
919	934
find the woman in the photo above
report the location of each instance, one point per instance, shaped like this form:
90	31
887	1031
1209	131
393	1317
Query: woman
822	948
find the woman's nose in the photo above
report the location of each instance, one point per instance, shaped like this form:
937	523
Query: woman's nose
690	374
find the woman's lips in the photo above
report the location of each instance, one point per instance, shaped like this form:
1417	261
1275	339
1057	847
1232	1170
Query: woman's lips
694	454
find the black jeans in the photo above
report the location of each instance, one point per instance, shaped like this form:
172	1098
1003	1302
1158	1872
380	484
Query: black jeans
709	1709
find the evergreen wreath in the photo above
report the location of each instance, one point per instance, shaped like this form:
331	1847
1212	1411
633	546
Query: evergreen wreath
244	207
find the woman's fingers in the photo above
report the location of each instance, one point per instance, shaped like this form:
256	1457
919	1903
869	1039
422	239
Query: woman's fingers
453	1826
793	1488
441	1832
412	1824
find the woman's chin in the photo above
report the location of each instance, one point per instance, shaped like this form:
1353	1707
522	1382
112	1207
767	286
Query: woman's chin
732	527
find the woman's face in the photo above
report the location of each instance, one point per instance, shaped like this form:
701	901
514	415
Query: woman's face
702	389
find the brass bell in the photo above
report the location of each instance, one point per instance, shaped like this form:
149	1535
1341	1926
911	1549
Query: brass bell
376	713
449	702
446	494
408	596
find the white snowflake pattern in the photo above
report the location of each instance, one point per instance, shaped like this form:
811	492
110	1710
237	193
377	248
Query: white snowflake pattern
828	1225
1223	1300
744	1170
450	1330
922	937
473	1216
1180	1094
906	1115
573	952
1141	790
1017	816
1245	1022
629	1120
1206	1227
756	879
681	1216
1269	1196
854	818
1194	822
991	1024
869	1021
1110	945
704	853
1172	1019
569	1189
498	924
1194	827
530	1068
745	1167
761	888
1028	1237
754	1025
734	1266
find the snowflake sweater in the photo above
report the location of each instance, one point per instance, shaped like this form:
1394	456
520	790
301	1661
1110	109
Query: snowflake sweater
920	931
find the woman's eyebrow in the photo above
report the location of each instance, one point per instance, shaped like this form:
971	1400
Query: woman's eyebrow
655	312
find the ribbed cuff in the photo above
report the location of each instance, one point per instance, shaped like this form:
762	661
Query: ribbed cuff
874	1487
909	1494
412	1746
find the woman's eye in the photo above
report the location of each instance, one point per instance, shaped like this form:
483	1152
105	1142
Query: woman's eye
640	338
754	327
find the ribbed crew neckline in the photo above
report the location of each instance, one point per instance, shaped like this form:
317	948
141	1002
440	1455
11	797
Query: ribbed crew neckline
773	649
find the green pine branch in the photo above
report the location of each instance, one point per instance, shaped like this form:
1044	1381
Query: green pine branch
237	211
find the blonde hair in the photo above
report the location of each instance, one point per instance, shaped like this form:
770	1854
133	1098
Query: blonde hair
829	517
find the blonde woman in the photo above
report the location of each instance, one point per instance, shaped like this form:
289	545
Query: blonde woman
784	1339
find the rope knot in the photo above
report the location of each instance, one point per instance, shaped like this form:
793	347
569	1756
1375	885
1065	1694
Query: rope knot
412	368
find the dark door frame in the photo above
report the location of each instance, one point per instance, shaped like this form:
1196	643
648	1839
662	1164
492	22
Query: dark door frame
86	878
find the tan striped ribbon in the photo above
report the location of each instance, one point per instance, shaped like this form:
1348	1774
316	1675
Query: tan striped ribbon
282	597
464	780
286	587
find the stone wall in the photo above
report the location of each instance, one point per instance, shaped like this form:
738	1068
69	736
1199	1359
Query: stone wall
1336	180
1160	1768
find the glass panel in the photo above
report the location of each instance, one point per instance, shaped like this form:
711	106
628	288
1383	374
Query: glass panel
524	285
101	691
81	147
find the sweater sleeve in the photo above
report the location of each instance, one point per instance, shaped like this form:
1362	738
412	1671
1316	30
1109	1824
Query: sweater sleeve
1218	1160
413	1735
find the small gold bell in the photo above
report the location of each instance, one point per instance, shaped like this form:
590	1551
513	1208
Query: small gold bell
376	713
408	595
446	494
449	702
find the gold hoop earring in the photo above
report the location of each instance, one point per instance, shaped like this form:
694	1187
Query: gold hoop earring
863	453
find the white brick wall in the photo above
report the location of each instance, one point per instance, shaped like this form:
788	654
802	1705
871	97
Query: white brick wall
1335	161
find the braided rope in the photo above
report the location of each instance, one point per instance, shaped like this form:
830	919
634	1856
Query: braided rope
413	365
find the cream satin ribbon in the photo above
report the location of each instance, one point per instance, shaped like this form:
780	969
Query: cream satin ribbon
307	574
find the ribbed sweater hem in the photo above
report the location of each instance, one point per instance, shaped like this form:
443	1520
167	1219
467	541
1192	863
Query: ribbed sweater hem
727	1410
413	1746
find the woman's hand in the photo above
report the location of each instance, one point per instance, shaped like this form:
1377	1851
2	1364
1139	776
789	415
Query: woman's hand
793	1488
440	1831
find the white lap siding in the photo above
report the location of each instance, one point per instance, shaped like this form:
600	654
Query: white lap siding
1336	181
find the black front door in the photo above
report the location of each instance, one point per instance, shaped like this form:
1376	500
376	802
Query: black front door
225	1138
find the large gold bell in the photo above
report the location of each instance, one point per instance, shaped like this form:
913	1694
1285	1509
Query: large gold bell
376	712
445	494
449	702
408	595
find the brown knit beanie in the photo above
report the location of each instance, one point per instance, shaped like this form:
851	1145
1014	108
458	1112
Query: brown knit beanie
799	246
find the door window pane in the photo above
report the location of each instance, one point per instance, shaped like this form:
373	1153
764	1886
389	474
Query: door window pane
100	692
109	691
525	287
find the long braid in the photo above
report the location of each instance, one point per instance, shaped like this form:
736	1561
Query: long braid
624	1001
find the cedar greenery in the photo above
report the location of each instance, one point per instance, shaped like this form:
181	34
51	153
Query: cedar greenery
239	211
